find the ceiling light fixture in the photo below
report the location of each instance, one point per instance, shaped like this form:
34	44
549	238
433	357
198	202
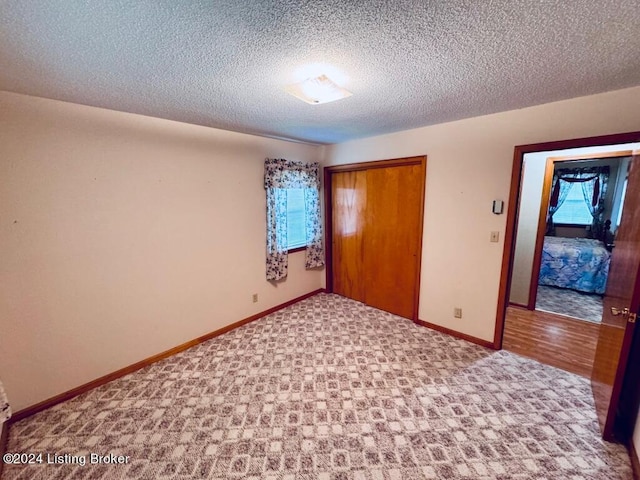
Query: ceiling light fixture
317	90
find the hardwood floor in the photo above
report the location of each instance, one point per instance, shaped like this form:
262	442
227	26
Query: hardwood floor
556	340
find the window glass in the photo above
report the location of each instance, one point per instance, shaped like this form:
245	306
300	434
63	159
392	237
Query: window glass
296	220
574	210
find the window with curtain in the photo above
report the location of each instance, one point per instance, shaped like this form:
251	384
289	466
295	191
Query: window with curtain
568	187
293	214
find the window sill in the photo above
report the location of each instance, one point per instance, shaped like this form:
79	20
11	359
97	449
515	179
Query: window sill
297	249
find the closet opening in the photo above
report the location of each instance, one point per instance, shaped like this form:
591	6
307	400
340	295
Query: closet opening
374	220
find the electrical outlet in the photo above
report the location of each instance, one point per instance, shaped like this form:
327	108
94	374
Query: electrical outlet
495	237
457	312
255	298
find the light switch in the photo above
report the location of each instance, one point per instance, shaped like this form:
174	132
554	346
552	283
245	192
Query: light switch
495	237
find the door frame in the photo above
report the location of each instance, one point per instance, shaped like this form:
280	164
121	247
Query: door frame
514	205
542	226
328	218
544	211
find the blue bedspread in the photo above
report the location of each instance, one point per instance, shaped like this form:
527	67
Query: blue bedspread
578	263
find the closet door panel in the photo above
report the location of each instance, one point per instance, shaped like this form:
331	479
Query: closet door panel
392	238
349	198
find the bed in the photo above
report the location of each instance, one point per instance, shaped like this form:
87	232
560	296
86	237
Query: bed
578	263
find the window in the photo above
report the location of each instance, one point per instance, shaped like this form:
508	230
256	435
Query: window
574	210
296	219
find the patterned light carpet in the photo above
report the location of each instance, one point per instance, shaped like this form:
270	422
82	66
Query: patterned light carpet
330	389
569	302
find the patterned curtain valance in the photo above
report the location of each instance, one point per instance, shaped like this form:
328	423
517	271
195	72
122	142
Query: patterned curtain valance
281	173
582	172
594	175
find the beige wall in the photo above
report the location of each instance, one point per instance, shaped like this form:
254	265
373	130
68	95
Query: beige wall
469	165
527	227
123	236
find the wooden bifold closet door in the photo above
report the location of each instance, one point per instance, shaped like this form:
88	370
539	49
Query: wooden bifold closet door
377	235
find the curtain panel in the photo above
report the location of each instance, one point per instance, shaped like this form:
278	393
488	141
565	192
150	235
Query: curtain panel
5	408
560	190
594	191
280	175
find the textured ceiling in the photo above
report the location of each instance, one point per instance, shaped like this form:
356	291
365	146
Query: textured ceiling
409	63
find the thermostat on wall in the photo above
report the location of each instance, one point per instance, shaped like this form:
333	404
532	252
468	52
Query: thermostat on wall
497	206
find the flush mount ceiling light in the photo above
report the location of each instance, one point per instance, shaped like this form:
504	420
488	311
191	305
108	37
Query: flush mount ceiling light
317	90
